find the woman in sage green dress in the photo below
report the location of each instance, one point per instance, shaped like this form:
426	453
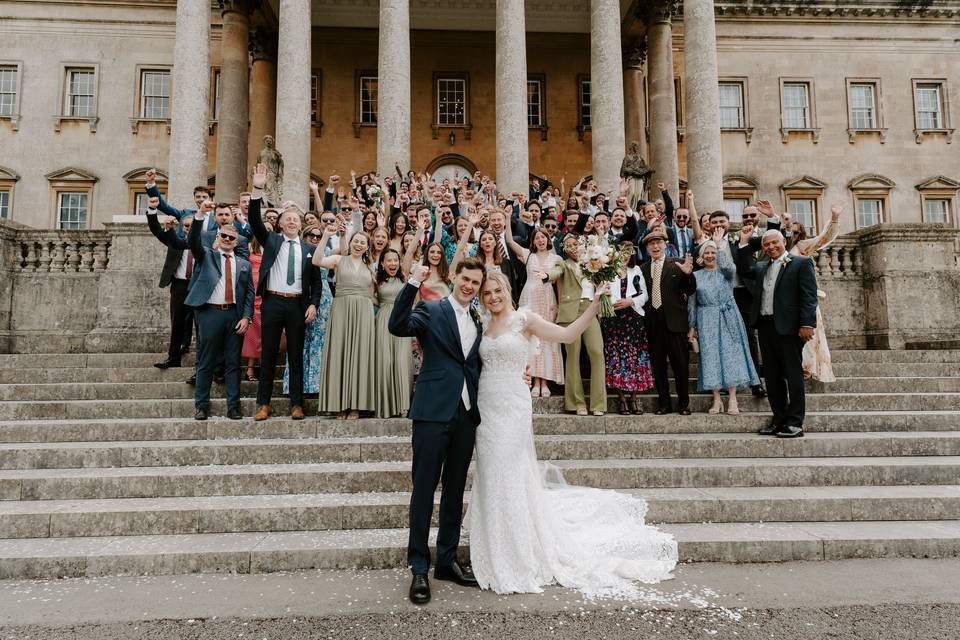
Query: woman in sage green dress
393	376
347	376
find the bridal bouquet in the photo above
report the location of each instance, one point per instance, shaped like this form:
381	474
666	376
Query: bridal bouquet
600	265
375	192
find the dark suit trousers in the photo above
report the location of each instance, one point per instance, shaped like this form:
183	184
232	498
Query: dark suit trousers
276	316
217	339
440	451
783	372
744	300
664	345
179	318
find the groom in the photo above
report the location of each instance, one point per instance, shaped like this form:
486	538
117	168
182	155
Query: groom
445	416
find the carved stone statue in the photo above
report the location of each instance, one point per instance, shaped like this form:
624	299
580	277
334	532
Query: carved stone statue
273	192
635	171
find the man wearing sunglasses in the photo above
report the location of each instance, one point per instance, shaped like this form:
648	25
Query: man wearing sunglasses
222	295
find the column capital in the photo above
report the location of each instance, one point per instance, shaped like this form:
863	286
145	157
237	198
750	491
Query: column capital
235	6
263	44
634	53
659	11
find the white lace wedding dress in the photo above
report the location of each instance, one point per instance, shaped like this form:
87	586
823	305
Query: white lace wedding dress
527	528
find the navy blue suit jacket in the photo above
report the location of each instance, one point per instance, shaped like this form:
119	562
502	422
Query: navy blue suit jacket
210	223
440	383
206	275
176	244
794	294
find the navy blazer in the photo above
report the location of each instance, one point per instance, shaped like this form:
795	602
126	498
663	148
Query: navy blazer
444	371
206	275
211	222
794	294
312	280
176	244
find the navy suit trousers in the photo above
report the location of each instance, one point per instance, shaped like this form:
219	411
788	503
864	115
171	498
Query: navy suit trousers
217	339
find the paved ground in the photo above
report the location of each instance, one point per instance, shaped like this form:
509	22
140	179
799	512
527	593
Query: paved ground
868	599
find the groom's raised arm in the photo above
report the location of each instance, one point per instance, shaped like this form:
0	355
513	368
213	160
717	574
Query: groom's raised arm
407	321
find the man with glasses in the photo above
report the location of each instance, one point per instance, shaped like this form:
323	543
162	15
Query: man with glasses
681	227
222	295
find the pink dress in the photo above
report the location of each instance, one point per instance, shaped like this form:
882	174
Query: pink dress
539	297
251	339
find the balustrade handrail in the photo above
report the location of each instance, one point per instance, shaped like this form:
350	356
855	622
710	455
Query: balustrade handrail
61	251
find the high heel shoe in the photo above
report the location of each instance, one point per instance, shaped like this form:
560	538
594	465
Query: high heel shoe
716	408
732	408
535	392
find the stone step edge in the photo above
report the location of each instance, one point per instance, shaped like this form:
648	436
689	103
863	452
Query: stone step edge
386	548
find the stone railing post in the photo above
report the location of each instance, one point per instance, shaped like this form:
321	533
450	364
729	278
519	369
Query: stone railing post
8	255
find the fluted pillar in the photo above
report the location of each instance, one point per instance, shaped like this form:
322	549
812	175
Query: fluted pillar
191	92
393	87
513	159
263	91
233	119
606	94
293	98
663	103
634	101
704	164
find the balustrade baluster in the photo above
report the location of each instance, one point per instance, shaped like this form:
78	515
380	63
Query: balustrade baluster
30	262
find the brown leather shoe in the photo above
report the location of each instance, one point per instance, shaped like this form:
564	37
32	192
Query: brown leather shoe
263	412
296	412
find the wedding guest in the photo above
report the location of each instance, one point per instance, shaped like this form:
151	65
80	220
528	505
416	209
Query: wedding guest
346	378
397	227
785	313
392	355
317	330
625	350
716	325
436	285
252	350
379	239
668	282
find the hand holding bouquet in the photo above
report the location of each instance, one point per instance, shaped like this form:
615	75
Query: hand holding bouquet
602	264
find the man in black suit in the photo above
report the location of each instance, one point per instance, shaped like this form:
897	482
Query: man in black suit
669	283
515	271
176	273
785	313
291	288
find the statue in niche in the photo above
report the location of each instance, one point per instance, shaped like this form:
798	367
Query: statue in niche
273	192
635	171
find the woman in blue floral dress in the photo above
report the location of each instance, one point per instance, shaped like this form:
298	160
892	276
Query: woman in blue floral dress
316	331
715	323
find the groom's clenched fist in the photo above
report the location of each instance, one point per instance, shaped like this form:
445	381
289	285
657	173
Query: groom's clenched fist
418	272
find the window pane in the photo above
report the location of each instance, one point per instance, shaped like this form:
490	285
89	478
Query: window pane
862	106
314	98
369	99
734	208
216	95
796	106
936	210
804	211
928	106
451	101
72	210
155	95
585	114
534	103
731	105
8	90
80	84
869	212
4	205
140	207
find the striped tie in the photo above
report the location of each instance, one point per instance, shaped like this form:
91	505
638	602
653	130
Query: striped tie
655	299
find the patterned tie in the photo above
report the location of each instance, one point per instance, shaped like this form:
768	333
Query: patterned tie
189	263
228	271
291	264
655	300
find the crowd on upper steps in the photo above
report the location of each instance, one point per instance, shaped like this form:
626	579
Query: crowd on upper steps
272	287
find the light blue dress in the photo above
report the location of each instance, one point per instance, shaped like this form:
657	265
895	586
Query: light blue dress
724	360
313	341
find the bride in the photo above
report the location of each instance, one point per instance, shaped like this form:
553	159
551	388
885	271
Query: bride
527	527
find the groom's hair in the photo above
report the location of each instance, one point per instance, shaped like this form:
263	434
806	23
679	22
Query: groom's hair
472	262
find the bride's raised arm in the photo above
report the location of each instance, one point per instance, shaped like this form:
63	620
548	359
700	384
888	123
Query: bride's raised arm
555	333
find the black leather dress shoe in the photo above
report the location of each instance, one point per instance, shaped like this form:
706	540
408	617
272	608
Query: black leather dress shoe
758	391
166	364
769	430
662	411
192	380
685	411
234	414
201	414
420	589
789	432
454	573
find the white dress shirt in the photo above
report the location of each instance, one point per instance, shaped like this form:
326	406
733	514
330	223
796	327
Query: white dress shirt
219	295
278	272
769	285
181	272
468	335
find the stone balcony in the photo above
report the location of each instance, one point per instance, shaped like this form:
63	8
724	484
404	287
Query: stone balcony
96	291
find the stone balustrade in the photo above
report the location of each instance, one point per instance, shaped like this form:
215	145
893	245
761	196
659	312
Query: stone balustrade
96	291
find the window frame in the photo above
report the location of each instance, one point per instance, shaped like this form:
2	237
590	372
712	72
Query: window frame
467	125
70	180
137	120
543	127
582	126
805	188
945	128
744	127
871	187
878	123
811	129
316	115
66	69
60	193
8	184
869	197
805	197
359	76
939	188
14	118
739	187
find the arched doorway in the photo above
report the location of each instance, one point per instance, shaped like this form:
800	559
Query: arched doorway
452	166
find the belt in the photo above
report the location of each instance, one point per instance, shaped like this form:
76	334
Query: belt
221	307
281	294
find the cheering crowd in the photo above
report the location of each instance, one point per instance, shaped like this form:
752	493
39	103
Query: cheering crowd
309	291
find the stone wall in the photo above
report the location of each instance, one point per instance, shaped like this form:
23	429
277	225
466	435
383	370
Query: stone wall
96	291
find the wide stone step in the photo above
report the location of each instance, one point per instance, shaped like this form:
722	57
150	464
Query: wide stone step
173	408
137	429
397	448
386	548
906	369
896	355
352	477
306	512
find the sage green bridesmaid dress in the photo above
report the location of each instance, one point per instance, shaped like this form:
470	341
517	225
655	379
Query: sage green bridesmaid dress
393	356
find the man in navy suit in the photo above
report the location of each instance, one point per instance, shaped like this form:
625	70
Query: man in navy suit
222	294
444	423
784	311
291	288
205	205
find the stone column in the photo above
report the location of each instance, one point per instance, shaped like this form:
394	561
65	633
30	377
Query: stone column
663	102
293	98
190	110
606	94
513	158
263	91
393	87
704	165
233	119
634	101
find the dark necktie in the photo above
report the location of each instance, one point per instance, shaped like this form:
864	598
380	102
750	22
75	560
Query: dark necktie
189	263
228	274
291	263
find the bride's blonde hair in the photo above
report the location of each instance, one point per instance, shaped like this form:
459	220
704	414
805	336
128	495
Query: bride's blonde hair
503	281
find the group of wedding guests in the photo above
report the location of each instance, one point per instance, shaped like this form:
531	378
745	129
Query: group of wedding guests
318	285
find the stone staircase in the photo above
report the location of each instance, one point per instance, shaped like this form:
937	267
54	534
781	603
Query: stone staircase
103	471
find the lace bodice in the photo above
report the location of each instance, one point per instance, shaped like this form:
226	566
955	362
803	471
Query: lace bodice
510	351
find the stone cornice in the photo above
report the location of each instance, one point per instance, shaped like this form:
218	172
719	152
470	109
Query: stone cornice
829	9
905	232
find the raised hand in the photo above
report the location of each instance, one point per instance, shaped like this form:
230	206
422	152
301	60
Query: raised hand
419	272
765	208
746	232
661	186
334	179
659	220
314	185
687	265
718	233
153	202
259	179
151	176
835	210
689	195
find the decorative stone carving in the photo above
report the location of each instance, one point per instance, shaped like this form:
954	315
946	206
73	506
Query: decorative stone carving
269	156
635	171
